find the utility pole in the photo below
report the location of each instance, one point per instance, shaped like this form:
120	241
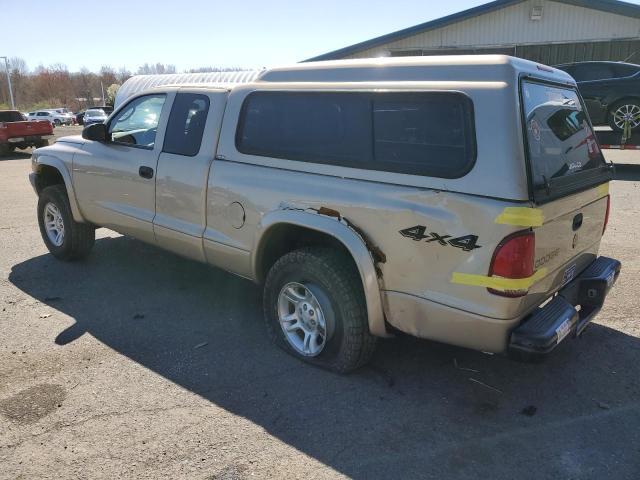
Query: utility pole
6	66
102	87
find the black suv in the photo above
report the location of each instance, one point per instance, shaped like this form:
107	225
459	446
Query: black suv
611	91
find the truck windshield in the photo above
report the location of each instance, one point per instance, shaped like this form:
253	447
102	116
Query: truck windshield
563	152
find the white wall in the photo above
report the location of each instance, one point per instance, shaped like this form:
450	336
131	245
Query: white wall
512	25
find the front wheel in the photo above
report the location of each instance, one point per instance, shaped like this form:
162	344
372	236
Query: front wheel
65	238
625	111
315	310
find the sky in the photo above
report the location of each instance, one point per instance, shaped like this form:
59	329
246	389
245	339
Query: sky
200	33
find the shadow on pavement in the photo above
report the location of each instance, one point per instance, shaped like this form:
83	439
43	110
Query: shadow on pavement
411	413
627	171
17	155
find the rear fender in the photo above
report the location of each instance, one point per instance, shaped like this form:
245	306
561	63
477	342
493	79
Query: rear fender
351	241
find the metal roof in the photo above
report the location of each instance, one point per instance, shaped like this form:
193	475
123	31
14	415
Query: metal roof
138	83
609	6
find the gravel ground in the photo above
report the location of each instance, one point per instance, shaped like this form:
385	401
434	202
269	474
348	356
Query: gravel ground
140	364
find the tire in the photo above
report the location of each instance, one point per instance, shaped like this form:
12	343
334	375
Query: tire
57	122
5	149
77	238
629	107
335	287
42	143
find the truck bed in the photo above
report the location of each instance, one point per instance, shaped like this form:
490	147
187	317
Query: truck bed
22	133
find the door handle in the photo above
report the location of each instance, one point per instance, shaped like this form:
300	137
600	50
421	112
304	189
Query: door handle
577	222
146	172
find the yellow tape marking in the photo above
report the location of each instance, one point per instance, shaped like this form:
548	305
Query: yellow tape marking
603	189
497	283
521	216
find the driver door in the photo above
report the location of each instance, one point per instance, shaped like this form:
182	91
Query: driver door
115	180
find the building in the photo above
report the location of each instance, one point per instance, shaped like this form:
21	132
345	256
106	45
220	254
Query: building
545	31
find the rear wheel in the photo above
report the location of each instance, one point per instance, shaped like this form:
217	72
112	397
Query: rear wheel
42	143
315	310
57	122
625	111
65	238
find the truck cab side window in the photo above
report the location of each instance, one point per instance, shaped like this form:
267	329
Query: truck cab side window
186	124
136	124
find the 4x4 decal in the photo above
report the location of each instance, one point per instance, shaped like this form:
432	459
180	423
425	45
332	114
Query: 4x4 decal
417	233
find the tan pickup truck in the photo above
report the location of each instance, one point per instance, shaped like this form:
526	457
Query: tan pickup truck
460	199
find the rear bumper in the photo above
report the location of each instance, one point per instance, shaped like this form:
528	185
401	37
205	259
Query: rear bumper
567	314
30	139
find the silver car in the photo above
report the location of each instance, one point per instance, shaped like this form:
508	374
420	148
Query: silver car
460	199
94	115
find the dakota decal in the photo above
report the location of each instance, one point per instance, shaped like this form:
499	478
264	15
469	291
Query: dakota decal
417	233
549	256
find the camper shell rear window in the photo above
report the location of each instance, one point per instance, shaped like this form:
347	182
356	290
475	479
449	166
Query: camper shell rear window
564	156
418	133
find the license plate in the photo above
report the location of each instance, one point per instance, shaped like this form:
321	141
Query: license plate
569	274
563	330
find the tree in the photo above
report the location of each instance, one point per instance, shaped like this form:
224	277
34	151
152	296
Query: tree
158	68
123	75
112	90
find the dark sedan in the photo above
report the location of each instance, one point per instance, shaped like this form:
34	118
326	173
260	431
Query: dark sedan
611	91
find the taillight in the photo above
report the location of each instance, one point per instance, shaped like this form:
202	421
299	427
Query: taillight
514	258
606	215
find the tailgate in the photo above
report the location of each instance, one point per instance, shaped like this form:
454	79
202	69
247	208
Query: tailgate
27	129
569	237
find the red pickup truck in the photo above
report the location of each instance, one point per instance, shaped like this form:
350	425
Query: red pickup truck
15	132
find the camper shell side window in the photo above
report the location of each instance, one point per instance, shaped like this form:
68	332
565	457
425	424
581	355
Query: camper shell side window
419	133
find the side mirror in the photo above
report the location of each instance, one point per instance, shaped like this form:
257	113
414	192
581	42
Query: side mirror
96	132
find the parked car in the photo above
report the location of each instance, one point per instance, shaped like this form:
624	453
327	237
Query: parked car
15	132
66	112
68	116
94	115
52	116
107	109
611	91
364	195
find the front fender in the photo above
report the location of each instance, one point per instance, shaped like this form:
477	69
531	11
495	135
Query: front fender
345	235
61	167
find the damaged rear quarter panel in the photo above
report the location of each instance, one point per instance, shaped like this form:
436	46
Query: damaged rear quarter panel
379	211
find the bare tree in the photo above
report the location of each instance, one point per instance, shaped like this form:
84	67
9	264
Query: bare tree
155	69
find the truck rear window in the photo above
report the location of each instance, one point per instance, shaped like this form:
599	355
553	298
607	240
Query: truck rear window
11	116
564	155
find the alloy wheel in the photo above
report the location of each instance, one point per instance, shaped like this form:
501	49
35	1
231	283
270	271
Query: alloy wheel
627	112
54	224
302	319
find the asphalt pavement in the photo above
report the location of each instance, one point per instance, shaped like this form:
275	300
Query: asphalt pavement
139	364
